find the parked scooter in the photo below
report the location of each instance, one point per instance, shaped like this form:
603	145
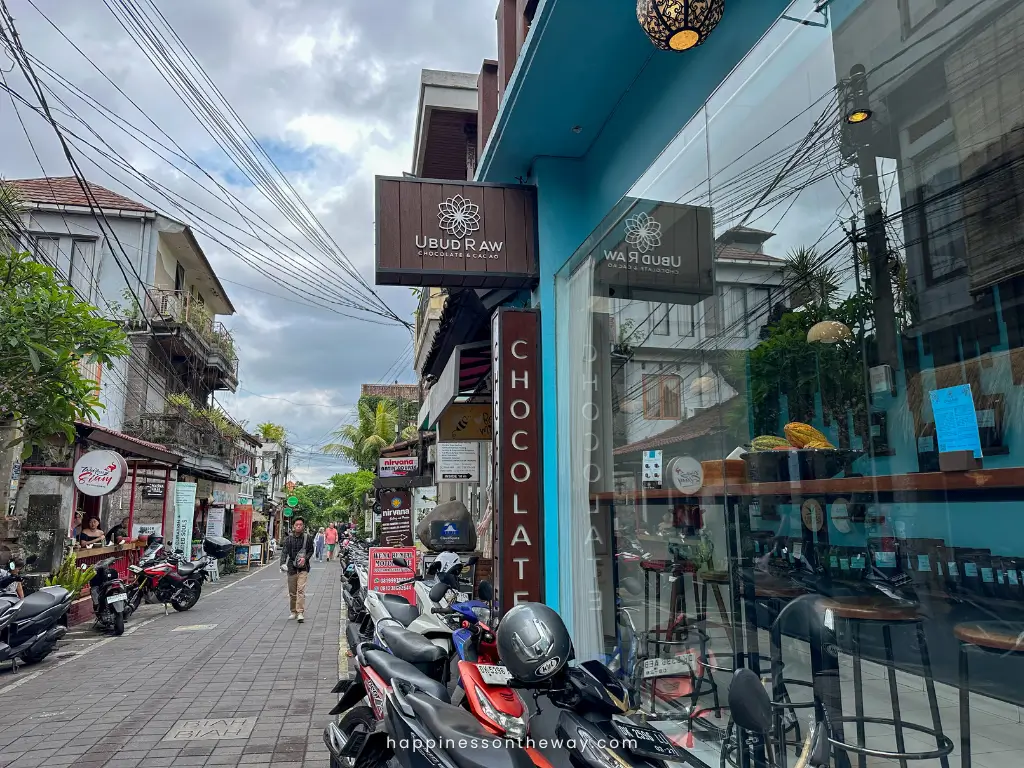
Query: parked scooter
109	597
35	624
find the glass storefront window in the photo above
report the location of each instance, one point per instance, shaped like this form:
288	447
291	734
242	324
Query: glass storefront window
790	367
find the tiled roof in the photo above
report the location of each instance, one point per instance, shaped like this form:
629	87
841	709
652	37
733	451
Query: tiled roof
731	253
702	424
65	190
410	392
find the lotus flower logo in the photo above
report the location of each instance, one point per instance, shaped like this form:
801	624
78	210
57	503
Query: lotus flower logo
643	232
458	216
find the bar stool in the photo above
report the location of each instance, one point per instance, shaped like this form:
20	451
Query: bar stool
995	637
859	612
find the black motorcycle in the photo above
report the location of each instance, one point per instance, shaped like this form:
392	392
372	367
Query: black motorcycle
109	597
30	628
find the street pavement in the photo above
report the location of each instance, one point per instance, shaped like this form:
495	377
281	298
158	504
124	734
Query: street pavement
231	682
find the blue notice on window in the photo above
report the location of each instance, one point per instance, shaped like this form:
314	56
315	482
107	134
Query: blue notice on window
956	421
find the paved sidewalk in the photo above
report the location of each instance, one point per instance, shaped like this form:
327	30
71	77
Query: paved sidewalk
234	660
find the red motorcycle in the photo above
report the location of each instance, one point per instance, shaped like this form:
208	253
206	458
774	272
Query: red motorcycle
173	582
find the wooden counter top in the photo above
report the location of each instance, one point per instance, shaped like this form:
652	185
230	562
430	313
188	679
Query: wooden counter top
979	480
112	550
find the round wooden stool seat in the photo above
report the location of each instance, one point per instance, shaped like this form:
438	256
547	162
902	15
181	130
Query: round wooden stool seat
872	609
994	635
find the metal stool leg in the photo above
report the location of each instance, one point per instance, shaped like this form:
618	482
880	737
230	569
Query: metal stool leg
858	692
965	710
929	684
890	670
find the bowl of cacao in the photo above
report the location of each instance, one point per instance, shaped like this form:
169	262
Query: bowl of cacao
791	464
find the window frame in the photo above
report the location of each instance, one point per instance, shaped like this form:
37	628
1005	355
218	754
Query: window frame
652	384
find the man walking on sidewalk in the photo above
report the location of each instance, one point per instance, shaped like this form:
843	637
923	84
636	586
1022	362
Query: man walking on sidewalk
296	553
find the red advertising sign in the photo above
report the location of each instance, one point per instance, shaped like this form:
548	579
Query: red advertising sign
384	575
242	516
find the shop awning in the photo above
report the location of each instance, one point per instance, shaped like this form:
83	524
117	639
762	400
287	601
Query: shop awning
466	319
130	446
466	379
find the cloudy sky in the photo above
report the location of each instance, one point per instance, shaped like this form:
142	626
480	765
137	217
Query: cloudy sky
329	89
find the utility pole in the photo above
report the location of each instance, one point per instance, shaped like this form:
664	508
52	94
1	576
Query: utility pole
859	124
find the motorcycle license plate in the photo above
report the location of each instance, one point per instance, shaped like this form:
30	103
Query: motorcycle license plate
679	665
134	569
647	742
117	598
463	597
492	674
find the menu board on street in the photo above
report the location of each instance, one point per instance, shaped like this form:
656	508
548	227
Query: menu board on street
384	575
242	517
215	521
396	519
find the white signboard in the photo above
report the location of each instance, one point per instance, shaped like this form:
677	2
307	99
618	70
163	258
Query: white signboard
687	474
215	521
147	529
652	467
458	462
184	512
98	473
423	500
397	466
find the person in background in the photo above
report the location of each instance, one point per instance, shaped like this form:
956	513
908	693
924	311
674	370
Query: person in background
92	535
331	538
318	545
296	553
16	564
118	532
76	528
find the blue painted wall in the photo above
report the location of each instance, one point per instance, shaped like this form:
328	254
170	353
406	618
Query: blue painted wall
575	193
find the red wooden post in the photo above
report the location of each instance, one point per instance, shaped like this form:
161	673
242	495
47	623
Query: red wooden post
131	502
163	513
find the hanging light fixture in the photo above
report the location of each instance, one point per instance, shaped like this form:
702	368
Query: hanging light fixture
829	332
857	107
678	25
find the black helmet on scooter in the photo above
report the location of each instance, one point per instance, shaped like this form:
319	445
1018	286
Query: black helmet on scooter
533	642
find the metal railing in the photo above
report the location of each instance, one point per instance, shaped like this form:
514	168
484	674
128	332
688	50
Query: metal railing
181	307
183	431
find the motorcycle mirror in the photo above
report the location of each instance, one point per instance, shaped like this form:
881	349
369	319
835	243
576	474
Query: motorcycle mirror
401	562
485	591
438	591
334	739
749	703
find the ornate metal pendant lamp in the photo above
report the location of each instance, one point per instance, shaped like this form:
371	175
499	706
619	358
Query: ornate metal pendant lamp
678	25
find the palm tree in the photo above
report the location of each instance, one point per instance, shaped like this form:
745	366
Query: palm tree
362	442
811	280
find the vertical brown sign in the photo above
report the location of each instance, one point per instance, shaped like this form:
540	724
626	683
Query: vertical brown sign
517	488
396	519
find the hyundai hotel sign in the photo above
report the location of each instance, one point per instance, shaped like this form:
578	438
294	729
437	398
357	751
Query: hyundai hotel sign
466	235
397	466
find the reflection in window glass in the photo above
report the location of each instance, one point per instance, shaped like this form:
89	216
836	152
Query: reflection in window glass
661	397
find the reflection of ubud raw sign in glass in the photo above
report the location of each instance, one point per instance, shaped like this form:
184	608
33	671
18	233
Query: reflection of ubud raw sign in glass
665	247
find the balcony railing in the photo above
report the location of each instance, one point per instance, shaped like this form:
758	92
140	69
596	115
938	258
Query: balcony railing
182	308
224	343
183	431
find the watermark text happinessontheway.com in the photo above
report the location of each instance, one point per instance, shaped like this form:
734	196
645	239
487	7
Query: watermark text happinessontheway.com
498	743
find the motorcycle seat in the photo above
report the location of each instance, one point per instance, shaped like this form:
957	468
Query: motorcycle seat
400	608
187	569
391	667
450	725
38	602
410	646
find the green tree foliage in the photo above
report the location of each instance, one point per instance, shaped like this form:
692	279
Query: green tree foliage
341	500
271	433
374	430
46	334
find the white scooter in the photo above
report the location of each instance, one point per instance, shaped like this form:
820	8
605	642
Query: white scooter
420	618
